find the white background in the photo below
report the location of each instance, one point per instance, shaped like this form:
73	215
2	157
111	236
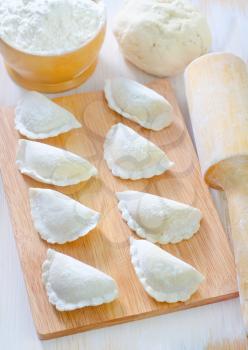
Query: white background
208	327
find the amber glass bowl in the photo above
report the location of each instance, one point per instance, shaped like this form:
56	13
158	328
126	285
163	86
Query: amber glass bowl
53	73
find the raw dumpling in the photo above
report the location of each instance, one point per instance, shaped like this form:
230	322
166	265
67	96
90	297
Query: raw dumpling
37	117
131	156
163	276
58	218
158	219
138	103
70	284
52	165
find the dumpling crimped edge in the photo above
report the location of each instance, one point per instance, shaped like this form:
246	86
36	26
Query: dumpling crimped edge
53	298
40	227
158	296
72	123
114	106
22	143
141	232
129	220
165	163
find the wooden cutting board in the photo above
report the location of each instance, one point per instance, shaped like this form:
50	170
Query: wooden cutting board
107	247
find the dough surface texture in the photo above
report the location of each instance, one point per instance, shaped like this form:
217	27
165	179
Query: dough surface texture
158	219
52	165
37	117
58	218
161	37
138	103
131	156
71	284
163	276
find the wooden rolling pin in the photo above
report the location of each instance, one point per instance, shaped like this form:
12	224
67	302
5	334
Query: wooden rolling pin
217	94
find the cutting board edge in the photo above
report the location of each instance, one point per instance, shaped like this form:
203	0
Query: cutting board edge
132	318
51	335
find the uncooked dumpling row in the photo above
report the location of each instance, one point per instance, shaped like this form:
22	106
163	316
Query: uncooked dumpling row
58	218
138	103
158	219
163	276
37	117
71	284
52	165
131	156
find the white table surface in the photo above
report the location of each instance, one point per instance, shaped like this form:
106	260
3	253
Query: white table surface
217	326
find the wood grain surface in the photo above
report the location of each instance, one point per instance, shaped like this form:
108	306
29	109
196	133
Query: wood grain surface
107	247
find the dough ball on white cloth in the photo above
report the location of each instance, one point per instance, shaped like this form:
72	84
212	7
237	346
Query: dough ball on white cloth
161	37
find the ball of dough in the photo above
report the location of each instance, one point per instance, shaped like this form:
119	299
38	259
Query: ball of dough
161	37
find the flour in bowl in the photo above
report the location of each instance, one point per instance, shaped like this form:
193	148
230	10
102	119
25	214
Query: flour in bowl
50	27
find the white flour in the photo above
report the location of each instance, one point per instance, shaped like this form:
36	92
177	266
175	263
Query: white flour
49	26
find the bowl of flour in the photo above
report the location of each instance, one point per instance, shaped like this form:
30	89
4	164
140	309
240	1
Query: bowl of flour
51	45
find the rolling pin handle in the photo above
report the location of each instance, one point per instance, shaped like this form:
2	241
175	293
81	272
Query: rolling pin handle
237	197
